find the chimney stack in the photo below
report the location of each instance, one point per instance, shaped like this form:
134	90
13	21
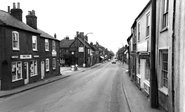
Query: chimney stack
8	9
55	35
31	19
17	12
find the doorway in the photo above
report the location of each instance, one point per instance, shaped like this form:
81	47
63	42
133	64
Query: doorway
42	70
26	72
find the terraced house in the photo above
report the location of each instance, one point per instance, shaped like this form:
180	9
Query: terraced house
24	58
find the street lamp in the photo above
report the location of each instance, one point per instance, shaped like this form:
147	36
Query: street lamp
84	64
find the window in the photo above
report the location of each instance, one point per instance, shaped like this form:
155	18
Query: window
164	68
33	68
147	24
47	64
138	66
165	14
54	63
15	40
147	70
34	43
16	71
138	32
46	45
53	45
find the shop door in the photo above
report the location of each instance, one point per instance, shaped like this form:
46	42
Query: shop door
42	70
26	73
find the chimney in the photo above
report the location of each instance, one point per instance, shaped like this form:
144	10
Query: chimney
31	19
67	38
8	9
55	36
17	12
77	33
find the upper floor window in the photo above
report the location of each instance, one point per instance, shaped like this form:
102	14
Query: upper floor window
148	24
46	45
34	43
53	45
139	32
15	40
165	14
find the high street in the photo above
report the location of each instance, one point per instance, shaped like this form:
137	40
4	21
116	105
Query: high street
106	88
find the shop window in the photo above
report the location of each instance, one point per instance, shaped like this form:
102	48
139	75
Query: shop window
46	45
47	64
33	68
54	63
15	40
147	70
16	71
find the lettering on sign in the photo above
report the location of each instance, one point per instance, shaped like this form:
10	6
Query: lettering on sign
25	56
36	56
13	57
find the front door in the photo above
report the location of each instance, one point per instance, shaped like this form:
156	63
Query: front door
26	72
42	70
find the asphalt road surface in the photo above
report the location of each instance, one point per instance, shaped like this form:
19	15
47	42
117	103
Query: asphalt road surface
95	90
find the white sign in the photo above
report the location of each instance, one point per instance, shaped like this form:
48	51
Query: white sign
14	57
36	56
142	46
25	56
81	49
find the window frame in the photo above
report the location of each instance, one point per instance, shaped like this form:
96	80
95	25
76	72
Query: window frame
46	44
16	71
18	45
139	32
47	65
53	45
148	24
34	38
54	64
165	9
35	69
164	78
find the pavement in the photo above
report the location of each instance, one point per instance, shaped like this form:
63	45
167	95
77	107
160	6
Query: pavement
136	99
66	72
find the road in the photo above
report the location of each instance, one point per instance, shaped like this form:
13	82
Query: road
94	90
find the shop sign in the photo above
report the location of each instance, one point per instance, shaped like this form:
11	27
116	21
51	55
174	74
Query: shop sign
25	56
36	56
14	57
81	49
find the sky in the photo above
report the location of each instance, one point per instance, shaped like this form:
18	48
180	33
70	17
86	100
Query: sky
108	21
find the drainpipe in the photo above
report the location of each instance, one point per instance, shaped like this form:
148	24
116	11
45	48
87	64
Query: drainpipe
153	76
173	56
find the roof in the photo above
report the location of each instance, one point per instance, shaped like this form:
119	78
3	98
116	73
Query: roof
45	35
65	43
8	20
85	43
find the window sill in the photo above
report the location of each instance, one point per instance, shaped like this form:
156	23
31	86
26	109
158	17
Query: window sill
35	50
47	70
33	75
16	80
164	29
164	90
16	49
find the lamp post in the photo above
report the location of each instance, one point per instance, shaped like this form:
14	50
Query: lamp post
84	64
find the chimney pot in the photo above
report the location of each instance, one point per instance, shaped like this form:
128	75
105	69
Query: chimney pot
55	35
33	13
14	7
18	5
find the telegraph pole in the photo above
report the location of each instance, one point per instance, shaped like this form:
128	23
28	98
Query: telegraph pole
153	76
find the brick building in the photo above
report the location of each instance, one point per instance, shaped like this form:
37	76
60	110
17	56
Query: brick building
22	51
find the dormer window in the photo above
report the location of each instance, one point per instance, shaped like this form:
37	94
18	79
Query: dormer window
15	40
34	43
46	45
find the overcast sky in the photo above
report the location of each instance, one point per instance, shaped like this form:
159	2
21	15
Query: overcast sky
109	20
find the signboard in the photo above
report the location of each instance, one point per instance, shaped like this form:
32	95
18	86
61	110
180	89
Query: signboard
81	49
14	57
25	56
36	56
